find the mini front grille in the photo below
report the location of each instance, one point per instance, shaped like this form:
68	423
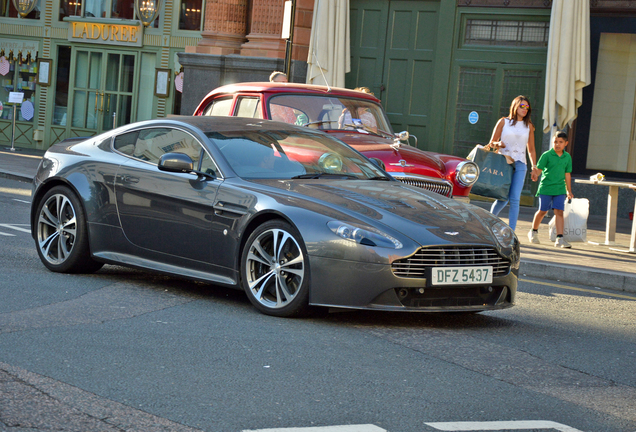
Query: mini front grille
441	187
450	256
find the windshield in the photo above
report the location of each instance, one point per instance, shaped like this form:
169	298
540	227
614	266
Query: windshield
271	154
322	112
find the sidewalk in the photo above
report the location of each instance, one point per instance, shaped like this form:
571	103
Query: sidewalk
585	263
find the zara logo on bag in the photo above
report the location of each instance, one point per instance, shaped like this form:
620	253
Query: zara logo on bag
492	171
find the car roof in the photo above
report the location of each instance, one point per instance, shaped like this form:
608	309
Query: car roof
227	124
277	87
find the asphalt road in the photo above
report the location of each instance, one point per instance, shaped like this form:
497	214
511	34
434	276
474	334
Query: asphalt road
128	350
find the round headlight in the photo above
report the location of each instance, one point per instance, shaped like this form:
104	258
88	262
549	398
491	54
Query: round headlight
330	162
467	173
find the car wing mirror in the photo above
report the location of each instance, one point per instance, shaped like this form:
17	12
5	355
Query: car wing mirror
182	163
403	136
378	162
176	162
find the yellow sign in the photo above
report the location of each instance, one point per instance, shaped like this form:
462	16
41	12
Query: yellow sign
106	33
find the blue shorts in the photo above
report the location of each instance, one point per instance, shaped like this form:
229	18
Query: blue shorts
547	202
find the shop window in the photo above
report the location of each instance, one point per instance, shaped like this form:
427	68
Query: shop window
21	78
190	15
9	10
124	9
612	142
507	33
62	73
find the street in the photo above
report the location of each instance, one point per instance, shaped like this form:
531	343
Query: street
124	349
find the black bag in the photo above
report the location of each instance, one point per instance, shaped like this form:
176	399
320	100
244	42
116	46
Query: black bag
495	175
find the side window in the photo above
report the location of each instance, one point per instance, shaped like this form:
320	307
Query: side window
150	144
207	165
249	107
219	107
125	143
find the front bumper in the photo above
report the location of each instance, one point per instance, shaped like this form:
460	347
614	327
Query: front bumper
354	285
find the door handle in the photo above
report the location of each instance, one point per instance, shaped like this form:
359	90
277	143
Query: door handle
129	179
102	103
96	98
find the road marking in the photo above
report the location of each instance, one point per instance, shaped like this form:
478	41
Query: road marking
343	428
16	191
16	227
502	425
7	234
580	289
22	201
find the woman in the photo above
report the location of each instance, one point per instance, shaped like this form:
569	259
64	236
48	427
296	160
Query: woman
512	136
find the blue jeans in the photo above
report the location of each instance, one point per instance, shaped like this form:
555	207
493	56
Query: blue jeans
518	177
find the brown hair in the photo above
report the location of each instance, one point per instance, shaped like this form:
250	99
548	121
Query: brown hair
513	110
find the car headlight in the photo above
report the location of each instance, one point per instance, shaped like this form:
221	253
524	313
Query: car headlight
365	236
467	173
330	162
503	233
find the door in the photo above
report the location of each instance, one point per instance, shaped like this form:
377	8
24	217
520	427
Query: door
166	212
393	51
102	92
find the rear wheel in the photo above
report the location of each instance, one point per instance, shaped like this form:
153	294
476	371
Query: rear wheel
61	233
275	270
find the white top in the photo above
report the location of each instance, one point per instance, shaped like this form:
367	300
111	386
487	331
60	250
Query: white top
516	140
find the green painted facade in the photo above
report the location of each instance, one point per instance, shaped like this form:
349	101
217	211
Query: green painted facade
414	56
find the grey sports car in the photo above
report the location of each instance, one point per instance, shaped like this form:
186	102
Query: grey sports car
292	216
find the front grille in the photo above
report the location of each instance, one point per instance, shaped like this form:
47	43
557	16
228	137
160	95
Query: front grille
441	187
450	256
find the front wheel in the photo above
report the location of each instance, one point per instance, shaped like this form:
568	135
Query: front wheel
61	233
275	270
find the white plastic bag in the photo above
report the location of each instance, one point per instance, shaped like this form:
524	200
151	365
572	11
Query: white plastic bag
471	155
574	221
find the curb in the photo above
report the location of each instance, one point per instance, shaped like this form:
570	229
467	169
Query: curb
16	176
606	279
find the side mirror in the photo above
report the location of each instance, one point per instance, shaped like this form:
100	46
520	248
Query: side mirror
403	136
176	162
378	162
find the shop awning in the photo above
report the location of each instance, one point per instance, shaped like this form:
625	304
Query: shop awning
568	65
16	49
329	51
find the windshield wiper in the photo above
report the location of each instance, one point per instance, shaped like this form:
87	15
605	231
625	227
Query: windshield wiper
379	178
369	130
320	122
324	174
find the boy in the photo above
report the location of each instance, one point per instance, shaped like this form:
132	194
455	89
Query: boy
555	186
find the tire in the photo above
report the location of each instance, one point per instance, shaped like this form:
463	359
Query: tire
61	233
275	270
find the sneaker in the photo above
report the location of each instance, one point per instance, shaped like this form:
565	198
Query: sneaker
562	243
533	236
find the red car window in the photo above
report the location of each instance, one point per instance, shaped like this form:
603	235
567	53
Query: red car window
219	107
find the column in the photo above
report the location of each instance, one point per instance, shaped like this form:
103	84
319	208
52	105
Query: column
224	27
266	25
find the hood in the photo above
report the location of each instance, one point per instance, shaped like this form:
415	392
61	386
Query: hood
425	217
416	161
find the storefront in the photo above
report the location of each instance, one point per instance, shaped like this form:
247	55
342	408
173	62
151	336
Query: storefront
91	66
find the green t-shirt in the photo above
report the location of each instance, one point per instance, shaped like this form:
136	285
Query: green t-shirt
553	177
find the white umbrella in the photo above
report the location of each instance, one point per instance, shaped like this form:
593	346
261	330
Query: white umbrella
568	65
329	52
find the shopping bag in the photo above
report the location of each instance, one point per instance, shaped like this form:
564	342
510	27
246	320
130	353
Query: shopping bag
574	221
495	175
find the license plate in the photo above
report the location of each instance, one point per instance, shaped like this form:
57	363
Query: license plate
461	275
